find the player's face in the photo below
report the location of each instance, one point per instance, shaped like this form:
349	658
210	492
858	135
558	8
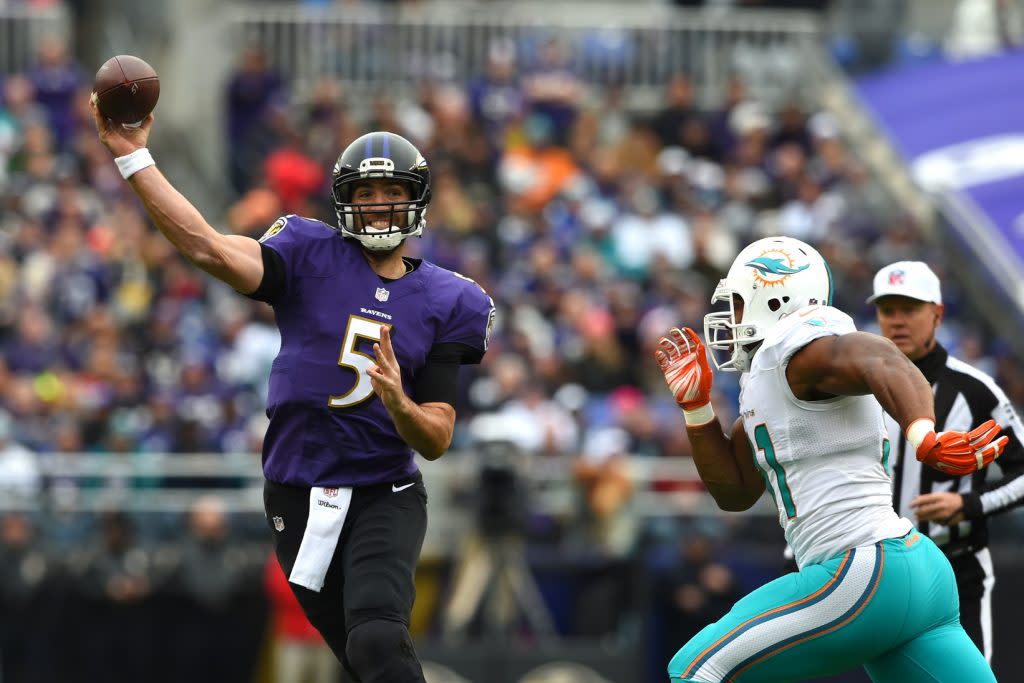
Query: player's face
383	199
909	323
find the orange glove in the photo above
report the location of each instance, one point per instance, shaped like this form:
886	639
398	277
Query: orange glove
958	453
684	363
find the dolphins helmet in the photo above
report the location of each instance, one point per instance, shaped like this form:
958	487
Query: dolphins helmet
381	155
773	277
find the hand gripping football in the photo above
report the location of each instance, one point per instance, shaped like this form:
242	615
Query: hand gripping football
126	90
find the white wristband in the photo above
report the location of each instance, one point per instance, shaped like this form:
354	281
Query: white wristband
699	416
919	429
132	163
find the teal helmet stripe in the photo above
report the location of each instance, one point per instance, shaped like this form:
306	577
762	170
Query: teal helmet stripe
828	271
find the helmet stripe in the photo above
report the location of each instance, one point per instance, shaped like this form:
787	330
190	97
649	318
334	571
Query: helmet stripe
828	271
368	151
386	152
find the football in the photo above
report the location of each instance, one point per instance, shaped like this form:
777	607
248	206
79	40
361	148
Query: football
126	89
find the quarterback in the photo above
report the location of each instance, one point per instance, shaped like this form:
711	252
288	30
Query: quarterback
371	345
871	591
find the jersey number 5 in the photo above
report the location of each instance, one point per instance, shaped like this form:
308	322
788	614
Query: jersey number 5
357	328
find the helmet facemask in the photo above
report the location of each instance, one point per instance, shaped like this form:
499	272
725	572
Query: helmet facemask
404	218
724	334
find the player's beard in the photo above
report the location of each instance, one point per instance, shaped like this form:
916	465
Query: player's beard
378	256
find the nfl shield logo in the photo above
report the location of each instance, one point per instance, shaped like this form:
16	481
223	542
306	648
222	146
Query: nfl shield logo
382	294
330	493
896	277
279	523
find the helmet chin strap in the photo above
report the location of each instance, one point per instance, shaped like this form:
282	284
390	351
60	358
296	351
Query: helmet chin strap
747	351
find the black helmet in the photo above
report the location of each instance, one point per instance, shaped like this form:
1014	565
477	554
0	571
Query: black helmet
381	155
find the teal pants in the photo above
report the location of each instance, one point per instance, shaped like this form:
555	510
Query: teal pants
891	607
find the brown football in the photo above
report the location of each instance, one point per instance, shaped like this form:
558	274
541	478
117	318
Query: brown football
126	89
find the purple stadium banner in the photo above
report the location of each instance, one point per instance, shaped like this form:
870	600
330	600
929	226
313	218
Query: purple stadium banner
960	128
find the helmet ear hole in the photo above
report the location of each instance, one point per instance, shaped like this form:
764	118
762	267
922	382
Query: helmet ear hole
785	299
774	305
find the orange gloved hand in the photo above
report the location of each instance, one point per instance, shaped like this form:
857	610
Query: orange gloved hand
684	362
959	453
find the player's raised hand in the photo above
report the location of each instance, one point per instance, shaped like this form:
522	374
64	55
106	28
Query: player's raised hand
960	453
385	374
684	363
119	138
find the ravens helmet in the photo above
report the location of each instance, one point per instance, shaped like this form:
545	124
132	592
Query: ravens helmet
381	155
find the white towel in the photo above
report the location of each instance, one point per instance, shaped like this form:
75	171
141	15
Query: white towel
328	508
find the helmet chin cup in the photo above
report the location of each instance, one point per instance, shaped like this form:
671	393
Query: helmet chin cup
384	240
381	242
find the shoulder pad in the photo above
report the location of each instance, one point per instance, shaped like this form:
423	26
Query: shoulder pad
800	328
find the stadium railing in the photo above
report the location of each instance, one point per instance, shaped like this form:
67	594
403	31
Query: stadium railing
23	28
377	46
171	483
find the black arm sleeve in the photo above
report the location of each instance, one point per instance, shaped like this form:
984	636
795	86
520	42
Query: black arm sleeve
437	381
274	280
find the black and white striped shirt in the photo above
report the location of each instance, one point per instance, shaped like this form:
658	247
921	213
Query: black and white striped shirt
964	398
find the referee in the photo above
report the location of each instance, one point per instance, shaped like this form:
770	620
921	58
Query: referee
951	510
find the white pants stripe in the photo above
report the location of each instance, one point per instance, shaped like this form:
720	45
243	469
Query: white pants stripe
853	588
985	560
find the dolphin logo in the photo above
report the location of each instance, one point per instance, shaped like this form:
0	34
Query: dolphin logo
773	266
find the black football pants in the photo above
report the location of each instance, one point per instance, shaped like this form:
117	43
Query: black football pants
370	578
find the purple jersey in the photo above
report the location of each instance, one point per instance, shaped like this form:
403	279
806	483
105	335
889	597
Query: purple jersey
327	427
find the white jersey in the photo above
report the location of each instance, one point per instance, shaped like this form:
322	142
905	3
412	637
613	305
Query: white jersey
825	462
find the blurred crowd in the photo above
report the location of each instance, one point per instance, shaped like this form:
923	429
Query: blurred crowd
595	227
210	586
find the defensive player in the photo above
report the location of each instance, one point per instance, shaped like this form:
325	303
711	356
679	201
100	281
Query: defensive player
871	590
371	342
